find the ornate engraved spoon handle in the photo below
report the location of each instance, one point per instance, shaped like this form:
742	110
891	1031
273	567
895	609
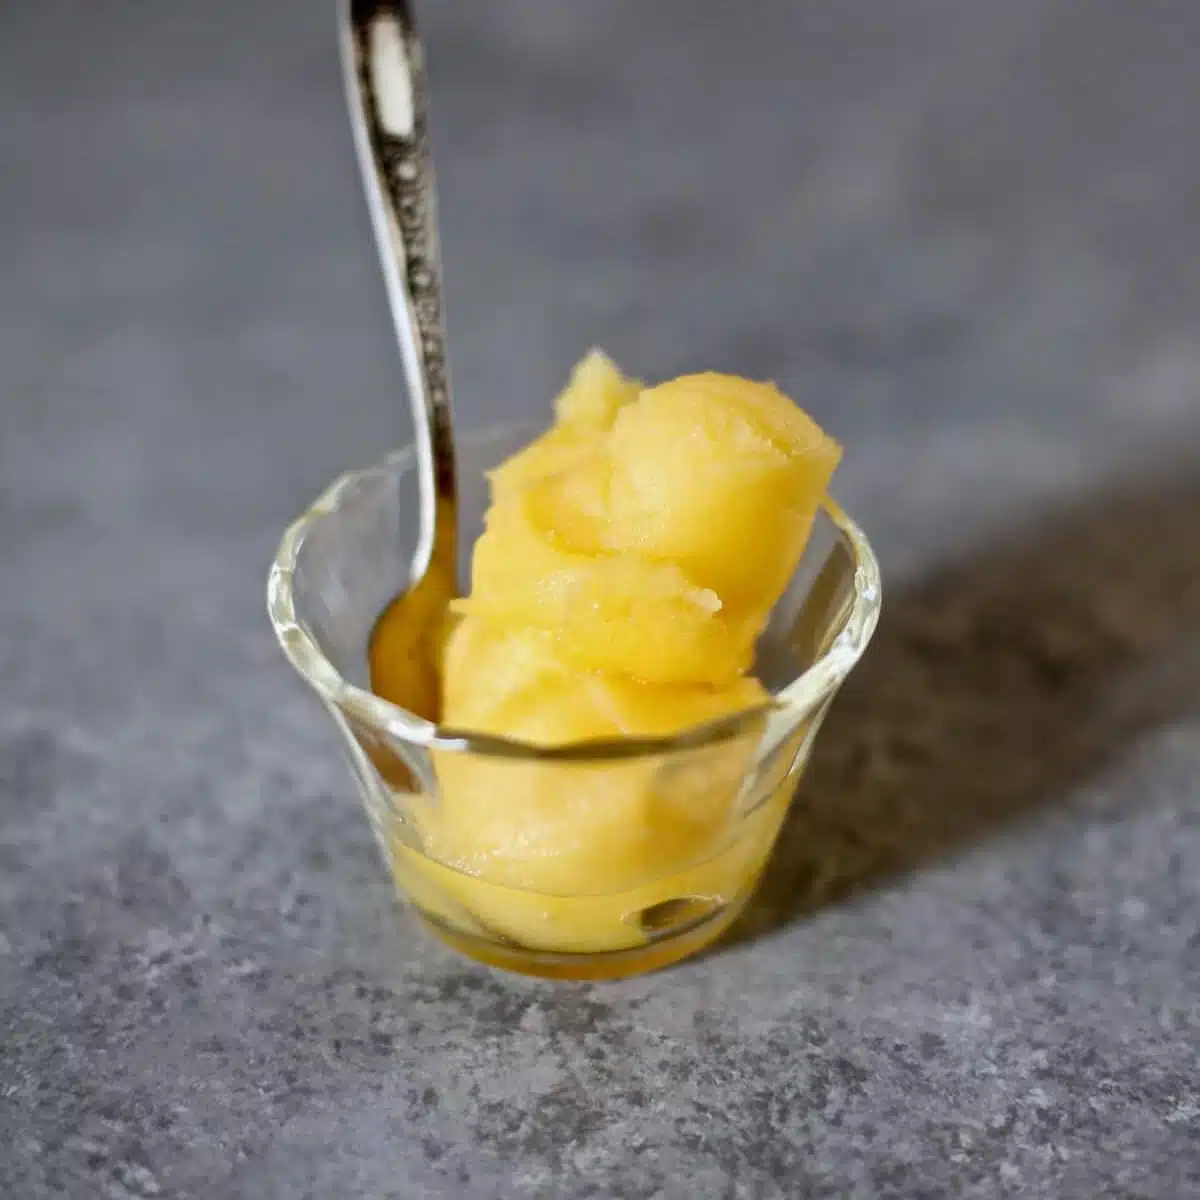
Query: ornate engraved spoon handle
384	66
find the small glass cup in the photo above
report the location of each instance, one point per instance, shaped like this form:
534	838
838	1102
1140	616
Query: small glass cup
663	839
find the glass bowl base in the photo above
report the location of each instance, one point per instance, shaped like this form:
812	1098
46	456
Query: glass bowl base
614	964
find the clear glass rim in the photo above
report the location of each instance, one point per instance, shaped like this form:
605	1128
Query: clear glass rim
791	703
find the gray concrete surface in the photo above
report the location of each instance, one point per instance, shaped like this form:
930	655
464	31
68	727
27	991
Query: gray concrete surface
965	234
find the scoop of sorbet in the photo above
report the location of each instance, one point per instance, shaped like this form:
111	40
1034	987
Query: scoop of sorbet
630	559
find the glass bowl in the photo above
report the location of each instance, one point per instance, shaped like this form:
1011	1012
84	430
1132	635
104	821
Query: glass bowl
662	840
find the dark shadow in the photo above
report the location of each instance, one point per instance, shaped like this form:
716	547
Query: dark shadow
994	685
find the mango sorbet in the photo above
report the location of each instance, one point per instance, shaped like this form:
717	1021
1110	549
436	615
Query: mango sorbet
629	561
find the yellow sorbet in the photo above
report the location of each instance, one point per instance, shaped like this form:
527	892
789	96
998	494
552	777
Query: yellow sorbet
630	559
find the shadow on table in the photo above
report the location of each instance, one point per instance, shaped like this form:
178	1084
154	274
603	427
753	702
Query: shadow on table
992	686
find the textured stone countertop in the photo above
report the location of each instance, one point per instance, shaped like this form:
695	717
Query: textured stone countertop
967	235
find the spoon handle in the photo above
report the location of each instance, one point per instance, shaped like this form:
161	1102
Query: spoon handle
384	68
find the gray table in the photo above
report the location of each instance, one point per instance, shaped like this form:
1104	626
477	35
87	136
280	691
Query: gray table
965	234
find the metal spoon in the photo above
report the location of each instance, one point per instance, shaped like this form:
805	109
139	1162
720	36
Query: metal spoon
384	67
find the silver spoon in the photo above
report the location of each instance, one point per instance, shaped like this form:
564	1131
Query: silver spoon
384	67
